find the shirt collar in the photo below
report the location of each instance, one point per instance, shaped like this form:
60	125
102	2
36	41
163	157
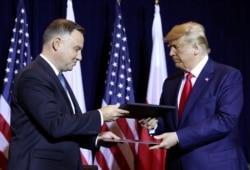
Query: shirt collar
51	65
197	70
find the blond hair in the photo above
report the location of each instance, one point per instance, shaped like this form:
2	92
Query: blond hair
192	31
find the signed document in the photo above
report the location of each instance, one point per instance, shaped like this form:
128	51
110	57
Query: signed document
149	142
141	110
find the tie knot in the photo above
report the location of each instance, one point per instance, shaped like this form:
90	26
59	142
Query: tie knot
189	76
60	77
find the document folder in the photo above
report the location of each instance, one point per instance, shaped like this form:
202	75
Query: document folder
149	142
141	110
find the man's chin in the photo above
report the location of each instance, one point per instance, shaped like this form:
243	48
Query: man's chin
177	65
70	69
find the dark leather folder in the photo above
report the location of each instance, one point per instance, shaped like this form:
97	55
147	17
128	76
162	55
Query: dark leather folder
142	110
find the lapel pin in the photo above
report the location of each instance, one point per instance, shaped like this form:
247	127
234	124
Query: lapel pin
206	79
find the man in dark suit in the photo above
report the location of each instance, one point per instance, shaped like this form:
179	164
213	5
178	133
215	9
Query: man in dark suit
47	123
202	133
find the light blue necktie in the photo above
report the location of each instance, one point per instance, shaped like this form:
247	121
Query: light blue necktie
62	80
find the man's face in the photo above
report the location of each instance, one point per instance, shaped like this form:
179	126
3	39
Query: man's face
70	50
182	54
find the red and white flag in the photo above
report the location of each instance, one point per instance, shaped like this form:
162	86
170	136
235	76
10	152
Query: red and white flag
74	79
154	159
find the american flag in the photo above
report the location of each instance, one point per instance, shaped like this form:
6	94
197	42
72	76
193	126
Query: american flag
119	90
19	56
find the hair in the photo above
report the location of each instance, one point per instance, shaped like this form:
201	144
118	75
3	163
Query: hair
60	26
192	31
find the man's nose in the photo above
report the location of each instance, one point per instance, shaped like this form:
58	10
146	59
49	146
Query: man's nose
171	52
79	56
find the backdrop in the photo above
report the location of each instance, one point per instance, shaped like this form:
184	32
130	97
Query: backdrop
226	23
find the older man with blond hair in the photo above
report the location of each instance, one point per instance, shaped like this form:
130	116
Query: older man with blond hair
202	133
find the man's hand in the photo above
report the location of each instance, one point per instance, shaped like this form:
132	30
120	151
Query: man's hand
112	112
107	135
168	140
149	123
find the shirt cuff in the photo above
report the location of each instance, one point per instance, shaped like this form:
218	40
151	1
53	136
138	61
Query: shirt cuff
177	137
152	131
96	141
101	116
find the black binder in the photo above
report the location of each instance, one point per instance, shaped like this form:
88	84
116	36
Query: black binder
141	110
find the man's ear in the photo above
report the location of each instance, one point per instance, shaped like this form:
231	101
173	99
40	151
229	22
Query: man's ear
56	43
196	48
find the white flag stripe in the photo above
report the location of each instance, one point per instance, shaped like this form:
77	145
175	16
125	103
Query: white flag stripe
158	68
4	145
132	125
5	109
125	149
74	79
111	162
70	11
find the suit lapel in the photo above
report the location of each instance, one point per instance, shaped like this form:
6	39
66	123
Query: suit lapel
173	94
55	79
200	84
177	88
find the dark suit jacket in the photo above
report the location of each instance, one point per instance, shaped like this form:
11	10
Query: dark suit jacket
207	132
46	133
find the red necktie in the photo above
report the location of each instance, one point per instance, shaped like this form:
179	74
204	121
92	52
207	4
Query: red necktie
185	93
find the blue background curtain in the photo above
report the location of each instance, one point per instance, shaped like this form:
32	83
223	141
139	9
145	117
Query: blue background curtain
226	23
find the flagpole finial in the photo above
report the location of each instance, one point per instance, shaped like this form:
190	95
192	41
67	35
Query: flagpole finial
156	2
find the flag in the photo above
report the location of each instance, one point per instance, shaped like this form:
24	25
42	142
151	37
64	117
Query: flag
74	79
19	55
119	90
154	159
